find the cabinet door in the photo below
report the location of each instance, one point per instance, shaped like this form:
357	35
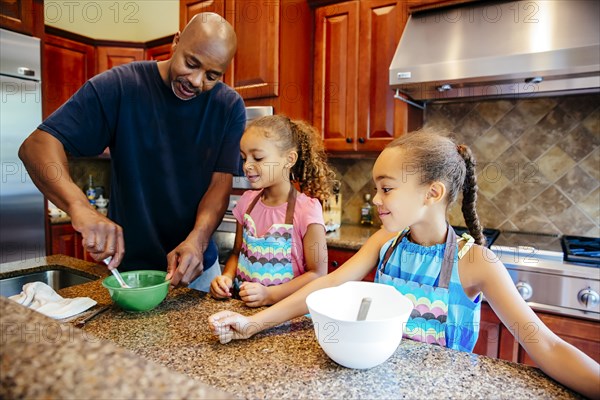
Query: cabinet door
67	65
109	56
189	8
583	334
381	118
159	53
65	240
335	74
254	71
488	343
17	15
336	257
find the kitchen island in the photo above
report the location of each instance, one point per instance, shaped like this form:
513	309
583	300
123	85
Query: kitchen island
283	362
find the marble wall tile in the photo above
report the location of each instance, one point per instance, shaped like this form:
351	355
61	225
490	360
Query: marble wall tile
487	146
591	206
492	112
591	164
579	142
577	184
538	163
555	163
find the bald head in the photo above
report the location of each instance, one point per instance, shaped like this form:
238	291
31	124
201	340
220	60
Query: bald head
212	30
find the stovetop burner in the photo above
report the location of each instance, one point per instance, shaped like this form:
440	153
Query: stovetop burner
581	249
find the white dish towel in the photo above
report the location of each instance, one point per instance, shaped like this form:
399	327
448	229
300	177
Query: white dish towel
42	298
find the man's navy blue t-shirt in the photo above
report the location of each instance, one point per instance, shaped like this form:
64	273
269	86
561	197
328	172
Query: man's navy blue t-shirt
163	153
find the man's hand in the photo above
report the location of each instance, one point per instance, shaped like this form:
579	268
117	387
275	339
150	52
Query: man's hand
102	238
220	287
185	263
254	294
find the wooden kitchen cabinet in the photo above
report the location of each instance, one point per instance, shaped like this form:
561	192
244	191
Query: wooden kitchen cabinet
23	16
354	107
159	53
66	240
67	64
336	257
254	71
273	62
496	340
112	56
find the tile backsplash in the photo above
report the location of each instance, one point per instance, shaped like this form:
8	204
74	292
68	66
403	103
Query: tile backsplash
538	163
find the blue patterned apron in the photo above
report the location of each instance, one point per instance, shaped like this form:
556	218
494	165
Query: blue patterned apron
427	322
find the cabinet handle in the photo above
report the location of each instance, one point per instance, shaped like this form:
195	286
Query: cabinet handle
348	140
361	140
334	264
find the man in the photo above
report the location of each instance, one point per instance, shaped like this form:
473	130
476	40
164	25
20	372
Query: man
173	130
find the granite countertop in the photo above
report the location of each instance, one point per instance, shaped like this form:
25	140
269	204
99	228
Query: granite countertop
350	236
283	362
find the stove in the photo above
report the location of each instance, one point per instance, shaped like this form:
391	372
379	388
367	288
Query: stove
546	277
579	249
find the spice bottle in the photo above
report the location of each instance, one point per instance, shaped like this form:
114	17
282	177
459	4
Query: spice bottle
366	211
90	192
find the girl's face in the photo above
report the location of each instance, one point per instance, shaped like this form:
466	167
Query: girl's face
264	164
400	198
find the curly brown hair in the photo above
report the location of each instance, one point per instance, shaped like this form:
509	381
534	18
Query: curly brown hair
437	158
311	171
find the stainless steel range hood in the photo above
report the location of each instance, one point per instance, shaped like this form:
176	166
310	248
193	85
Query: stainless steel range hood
500	49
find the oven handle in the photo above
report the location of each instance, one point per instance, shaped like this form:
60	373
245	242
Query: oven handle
229	219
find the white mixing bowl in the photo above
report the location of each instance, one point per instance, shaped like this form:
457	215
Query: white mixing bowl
359	344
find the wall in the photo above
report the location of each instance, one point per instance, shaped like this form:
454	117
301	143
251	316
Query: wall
538	163
122	20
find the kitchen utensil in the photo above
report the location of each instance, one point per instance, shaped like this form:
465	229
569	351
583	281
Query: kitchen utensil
365	304
120	279
359	344
149	289
82	321
117	275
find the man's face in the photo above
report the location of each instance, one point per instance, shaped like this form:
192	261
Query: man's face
197	64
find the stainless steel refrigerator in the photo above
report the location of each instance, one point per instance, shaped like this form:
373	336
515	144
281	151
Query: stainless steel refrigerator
22	207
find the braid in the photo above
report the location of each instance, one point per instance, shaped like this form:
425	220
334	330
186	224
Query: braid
469	191
315	177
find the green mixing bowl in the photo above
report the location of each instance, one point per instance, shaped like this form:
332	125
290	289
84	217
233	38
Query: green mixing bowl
148	289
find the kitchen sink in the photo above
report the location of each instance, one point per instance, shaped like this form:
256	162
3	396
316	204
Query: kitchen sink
55	278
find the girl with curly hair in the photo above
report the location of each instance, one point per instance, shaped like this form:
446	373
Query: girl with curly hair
280	239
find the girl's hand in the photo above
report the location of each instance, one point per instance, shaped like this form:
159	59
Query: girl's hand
254	294
219	287
229	326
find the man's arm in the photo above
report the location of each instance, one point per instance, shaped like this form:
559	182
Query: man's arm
46	162
186	261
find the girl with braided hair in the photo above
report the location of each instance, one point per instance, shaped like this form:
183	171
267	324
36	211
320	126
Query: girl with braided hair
280	239
417	178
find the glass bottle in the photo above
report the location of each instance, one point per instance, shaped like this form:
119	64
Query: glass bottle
90	192
366	211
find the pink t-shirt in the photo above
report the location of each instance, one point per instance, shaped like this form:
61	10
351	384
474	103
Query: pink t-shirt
307	211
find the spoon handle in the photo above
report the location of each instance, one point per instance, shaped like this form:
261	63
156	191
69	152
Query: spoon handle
364	309
119	278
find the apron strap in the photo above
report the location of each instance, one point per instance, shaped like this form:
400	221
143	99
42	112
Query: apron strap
289	213
291	204
391	249
448	260
253	203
